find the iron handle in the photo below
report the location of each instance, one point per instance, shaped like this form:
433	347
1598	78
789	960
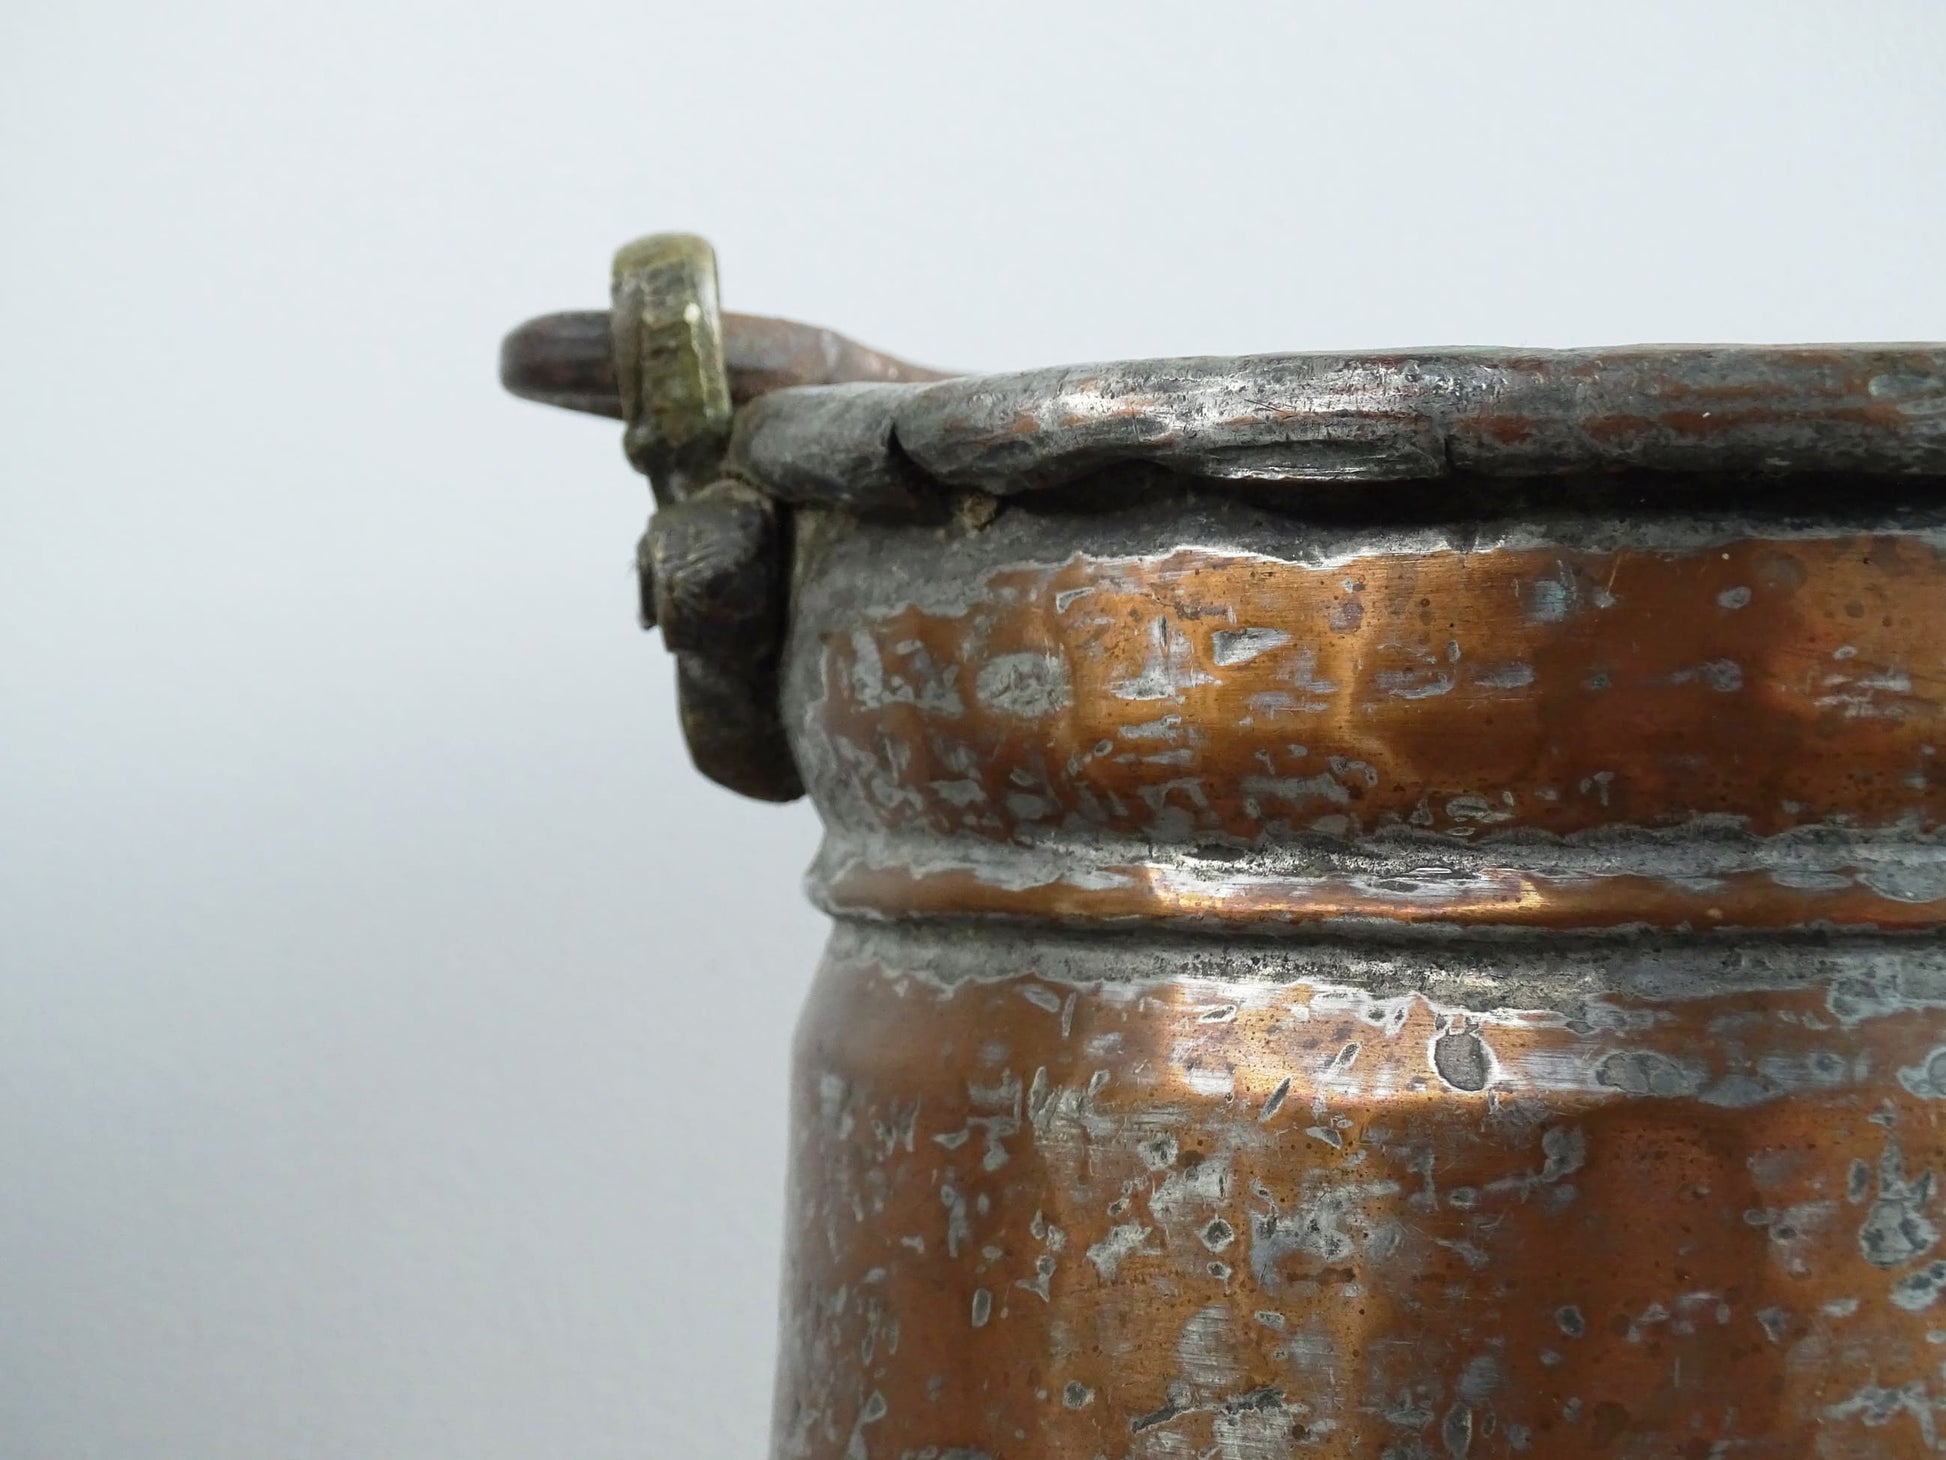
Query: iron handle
568	360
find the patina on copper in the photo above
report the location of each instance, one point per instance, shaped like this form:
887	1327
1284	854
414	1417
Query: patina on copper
1212	732
1467	989
1386	905
1269	1203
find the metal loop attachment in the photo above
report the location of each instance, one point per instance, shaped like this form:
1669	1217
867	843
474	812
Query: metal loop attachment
667	332
712	563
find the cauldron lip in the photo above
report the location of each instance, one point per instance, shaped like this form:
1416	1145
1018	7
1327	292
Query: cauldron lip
1728	412
823	420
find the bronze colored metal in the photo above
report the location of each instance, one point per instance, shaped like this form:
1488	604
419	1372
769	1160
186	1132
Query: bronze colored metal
1385	906
669	370
568	360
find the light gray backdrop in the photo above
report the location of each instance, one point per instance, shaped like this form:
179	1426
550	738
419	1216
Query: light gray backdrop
392	1027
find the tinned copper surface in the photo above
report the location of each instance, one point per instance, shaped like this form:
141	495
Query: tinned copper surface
1043	1213
1422	992
1736	733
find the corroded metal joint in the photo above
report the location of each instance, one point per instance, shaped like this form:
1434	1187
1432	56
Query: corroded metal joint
713	567
712	564
716	562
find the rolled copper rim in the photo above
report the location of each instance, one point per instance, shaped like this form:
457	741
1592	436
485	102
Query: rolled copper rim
1732	732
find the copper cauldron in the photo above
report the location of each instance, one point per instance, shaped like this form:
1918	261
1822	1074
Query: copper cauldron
1384	905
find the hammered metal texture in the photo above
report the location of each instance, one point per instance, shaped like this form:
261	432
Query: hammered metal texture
1327	987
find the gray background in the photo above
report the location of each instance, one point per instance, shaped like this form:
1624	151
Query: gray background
392	1027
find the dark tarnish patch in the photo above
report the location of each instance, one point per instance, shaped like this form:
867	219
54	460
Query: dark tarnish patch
1025	686
1481	1379
1274	1101
1876	1405
1462	1060
1566	1150
1267	1399
1858	1182
1920	1289
1897	1230
1927	1080
1172	1407
1644	1072
875	1409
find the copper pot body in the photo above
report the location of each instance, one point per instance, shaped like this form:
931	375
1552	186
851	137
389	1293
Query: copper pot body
1385	904
1315	985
